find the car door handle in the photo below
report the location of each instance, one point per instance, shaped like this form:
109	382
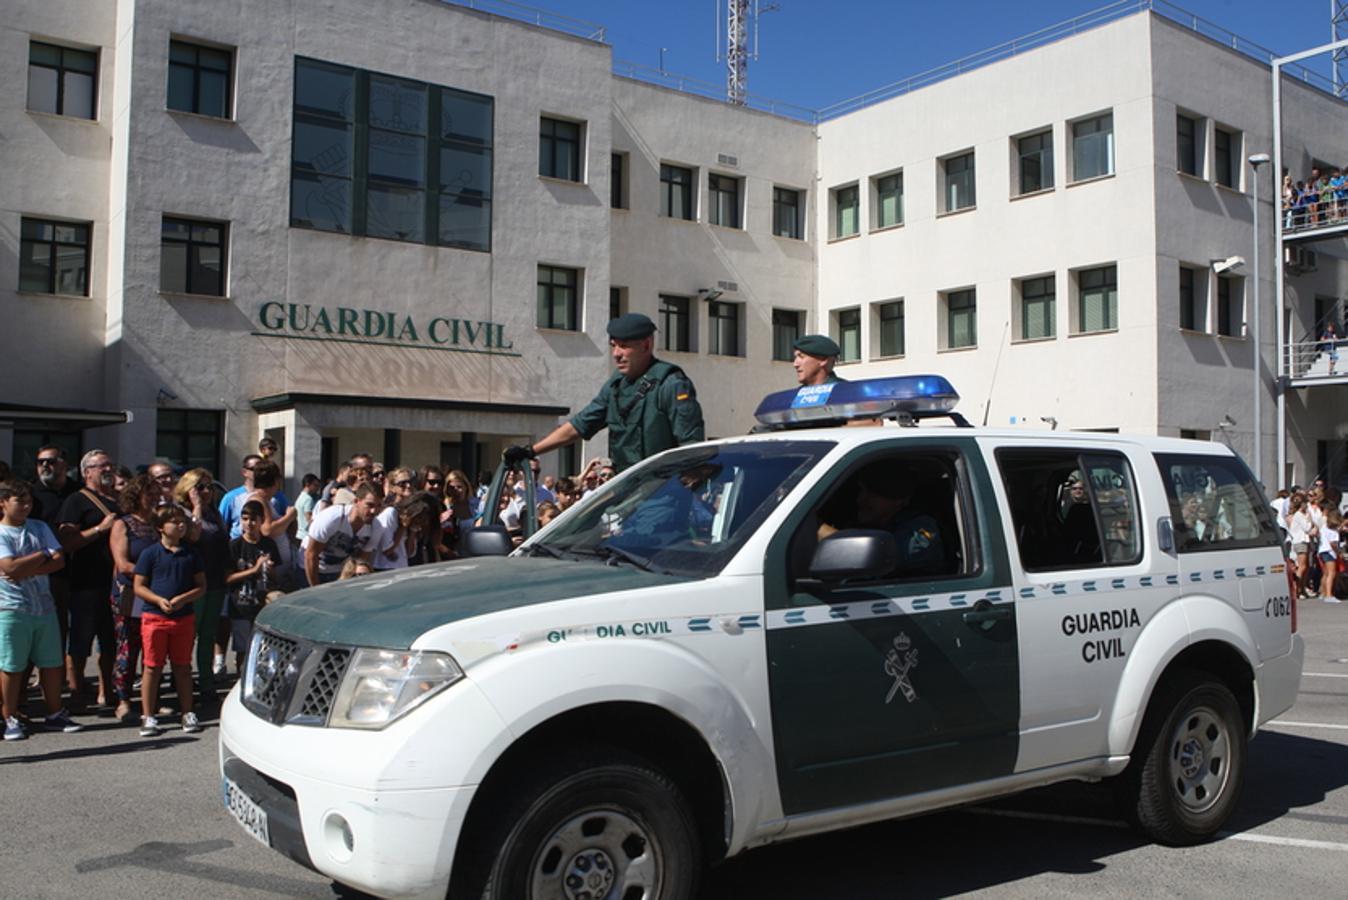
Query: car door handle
986	615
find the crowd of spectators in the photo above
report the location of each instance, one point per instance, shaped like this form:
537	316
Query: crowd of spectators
1321	199
161	569
1312	524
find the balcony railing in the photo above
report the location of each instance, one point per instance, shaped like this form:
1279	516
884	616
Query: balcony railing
1307	360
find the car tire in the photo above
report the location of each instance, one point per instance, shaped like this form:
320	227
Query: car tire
1188	765
595	824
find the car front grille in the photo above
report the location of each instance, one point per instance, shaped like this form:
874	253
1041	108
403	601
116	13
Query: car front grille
292	682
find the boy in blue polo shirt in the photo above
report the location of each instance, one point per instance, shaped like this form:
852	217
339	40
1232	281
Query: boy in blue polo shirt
29	633
169	578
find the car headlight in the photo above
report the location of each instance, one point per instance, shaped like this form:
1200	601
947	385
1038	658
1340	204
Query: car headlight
381	685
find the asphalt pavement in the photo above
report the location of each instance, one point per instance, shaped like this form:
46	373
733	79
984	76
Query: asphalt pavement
106	813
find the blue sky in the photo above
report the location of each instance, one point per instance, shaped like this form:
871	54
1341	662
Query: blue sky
817	52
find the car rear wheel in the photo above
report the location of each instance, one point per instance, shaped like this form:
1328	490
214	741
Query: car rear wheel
592	827
1189	763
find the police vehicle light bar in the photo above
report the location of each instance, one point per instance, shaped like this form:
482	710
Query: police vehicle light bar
903	396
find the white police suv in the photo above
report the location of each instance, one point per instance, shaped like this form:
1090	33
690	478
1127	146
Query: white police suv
754	639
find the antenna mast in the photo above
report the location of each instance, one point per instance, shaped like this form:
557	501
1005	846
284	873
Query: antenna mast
1338	29
741	17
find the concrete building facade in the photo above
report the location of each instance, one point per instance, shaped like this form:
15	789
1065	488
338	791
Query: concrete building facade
401	228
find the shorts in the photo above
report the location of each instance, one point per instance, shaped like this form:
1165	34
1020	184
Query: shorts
1325	557
90	617
240	634
162	637
1301	547
25	638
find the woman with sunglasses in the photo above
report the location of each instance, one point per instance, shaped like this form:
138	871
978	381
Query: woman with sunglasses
401	484
458	516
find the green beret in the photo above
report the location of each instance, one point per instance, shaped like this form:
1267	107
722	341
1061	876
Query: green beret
817	345
631	327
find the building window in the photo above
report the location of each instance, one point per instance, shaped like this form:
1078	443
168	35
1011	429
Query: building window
1097	299
1036	161
559	149
1230	305
188	438
1037	308
961	319
198	79
849	334
890	326
724	193
675	317
617	180
846	211
889	200
1192	297
724	328
61	80
785	332
1187	142
786	213
557	306
1225	156
676	192
54	257
192	257
617	302
414	139
1093	147
957	179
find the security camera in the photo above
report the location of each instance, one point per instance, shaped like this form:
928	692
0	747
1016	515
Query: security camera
1230	264
708	294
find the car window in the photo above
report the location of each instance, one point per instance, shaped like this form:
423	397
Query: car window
688	513
919	497
1070	509
1215	504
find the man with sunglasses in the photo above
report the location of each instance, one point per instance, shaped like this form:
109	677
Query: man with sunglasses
84	523
233	500
52	486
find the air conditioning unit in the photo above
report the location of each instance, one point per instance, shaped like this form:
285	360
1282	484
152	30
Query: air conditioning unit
1300	260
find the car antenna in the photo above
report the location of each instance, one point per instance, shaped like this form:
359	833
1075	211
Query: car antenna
997	364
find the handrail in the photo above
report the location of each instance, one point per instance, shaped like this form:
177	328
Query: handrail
687	85
543	18
1310	359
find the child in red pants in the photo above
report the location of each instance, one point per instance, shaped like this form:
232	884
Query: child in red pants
169	577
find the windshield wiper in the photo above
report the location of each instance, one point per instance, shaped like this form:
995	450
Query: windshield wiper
535	549
612	554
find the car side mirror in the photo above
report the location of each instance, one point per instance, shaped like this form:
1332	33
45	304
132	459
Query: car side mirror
855	553
487	540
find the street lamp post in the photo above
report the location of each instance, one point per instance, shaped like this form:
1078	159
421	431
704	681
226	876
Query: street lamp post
1257	160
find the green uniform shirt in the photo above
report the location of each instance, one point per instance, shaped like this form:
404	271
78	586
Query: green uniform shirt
661	412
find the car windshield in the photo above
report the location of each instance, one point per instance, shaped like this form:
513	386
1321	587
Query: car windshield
686	514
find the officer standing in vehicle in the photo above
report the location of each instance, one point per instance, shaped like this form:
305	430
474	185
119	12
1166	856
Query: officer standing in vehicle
813	358
647	405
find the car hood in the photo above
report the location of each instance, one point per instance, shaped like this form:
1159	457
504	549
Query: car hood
393	609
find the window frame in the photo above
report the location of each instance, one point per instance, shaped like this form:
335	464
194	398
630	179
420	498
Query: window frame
1048	299
1262	512
1043	156
843	198
1230	308
796	232
676	320
53	246
355	121
1197	313
795	325
967	298
884	313
1082	298
1195	144
192	225
848	320
724	195
547	299
723	328
617	180
549	146
61	68
1109	162
185	432
196	69
1226	175
951	181
881	193
670	183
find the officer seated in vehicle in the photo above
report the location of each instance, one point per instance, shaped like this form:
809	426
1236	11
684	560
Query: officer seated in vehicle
884	495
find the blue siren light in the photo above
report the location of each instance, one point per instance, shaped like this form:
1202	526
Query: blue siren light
917	396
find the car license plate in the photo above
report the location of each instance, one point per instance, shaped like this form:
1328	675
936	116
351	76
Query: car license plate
252	817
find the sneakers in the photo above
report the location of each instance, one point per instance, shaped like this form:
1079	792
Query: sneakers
14	729
149	726
219	667
190	723
1331	599
61	721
